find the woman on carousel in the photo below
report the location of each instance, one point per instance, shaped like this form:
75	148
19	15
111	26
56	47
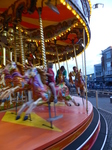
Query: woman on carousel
63	72
51	81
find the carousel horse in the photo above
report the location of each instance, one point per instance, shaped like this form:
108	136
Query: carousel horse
62	91
41	91
79	82
2	83
7	84
15	81
8	80
59	78
4	74
20	82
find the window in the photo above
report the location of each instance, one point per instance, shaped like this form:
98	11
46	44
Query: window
108	55
98	73
108	66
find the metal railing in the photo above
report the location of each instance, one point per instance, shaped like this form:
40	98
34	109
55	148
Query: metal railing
102	98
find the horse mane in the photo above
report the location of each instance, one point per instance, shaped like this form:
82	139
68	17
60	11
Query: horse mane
70	77
42	75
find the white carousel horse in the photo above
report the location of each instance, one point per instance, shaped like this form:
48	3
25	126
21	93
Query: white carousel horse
39	91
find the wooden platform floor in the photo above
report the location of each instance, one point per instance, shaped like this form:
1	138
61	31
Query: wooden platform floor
30	135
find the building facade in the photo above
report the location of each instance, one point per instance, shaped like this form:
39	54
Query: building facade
98	76
90	77
106	62
102	72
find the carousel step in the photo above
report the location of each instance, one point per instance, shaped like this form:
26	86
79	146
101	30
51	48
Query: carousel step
85	136
54	118
102	137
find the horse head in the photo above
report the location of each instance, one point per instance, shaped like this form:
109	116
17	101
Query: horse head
33	72
13	65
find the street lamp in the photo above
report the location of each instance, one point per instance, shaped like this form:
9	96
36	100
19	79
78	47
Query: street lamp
98	5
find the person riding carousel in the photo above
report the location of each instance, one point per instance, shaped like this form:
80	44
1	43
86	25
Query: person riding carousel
79	81
51	81
63	72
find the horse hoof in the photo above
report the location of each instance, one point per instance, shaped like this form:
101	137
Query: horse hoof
17	117
78	104
25	118
69	104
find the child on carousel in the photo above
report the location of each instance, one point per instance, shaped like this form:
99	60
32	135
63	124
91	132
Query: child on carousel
79	81
51	81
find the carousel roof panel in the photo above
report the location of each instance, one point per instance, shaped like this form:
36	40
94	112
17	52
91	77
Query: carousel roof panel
49	15
29	25
35	22
66	27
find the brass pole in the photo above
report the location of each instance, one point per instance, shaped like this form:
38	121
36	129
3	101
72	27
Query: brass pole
57	57
55	67
4	51
57	54
67	65
85	69
15	55
82	65
22	50
75	56
4	55
42	37
11	56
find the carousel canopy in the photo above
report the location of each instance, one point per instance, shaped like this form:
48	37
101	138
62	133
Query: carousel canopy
63	24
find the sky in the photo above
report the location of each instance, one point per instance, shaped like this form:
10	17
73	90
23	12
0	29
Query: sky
101	36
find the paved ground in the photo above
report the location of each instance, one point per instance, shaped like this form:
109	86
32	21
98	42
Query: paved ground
108	117
103	103
105	108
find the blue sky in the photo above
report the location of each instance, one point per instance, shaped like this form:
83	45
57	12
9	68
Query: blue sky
101	36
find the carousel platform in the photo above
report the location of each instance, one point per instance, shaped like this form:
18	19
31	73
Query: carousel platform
37	134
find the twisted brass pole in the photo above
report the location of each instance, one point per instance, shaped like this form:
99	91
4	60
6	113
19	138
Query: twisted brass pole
42	37
21	47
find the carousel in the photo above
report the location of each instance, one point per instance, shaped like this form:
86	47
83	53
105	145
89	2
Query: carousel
34	33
